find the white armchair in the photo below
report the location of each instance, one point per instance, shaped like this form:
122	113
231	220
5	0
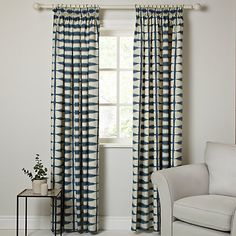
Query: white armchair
200	199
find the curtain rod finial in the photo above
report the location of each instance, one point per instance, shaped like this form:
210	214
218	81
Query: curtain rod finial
197	6
36	6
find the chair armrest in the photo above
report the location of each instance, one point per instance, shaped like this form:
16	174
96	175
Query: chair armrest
233	227
176	183
183	181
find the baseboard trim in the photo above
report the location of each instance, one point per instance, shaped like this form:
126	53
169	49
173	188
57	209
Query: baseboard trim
34	222
43	222
115	223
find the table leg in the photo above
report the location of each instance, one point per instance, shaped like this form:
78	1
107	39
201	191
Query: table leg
61	217
55	216
53	212
26	216
17	216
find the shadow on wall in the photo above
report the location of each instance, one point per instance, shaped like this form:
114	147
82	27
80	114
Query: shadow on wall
186	89
102	182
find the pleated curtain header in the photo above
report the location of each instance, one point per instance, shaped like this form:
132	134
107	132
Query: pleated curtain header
83	11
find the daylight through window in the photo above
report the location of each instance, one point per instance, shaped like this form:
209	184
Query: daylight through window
116	85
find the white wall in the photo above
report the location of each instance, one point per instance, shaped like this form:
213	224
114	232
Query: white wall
25	65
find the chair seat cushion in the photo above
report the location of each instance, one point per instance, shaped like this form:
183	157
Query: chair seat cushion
211	211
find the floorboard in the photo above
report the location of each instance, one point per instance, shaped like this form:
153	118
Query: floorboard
49	233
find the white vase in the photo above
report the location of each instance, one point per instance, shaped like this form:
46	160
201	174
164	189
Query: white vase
44	189
36	185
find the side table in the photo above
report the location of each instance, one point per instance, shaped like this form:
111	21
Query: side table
54	194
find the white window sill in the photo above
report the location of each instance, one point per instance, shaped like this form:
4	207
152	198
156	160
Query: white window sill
115	145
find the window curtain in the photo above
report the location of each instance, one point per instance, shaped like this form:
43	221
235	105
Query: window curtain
74	116
157	111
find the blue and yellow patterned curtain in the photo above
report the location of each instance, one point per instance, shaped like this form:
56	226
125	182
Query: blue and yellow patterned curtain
74	116
157	112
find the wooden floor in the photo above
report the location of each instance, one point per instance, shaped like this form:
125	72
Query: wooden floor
49	233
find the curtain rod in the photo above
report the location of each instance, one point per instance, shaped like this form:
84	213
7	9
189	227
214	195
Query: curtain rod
38	6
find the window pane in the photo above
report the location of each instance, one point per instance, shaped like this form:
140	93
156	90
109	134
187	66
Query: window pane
126	121
108	52
126	52
107	116
126	87
107	86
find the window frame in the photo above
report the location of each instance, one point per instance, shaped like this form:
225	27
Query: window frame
116	142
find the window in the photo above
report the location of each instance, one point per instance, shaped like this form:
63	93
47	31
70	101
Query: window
116	85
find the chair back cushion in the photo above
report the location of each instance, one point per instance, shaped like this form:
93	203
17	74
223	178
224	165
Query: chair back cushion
221	163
